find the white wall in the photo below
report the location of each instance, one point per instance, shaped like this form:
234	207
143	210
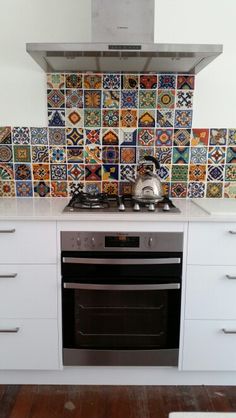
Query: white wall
22	82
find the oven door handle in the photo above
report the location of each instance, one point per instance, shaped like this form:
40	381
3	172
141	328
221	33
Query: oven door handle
89	286
120	261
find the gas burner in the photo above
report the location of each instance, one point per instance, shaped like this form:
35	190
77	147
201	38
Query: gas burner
83	200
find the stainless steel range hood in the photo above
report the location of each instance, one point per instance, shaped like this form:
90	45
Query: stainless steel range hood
122	40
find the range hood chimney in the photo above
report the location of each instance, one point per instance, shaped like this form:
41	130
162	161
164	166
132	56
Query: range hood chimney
123	40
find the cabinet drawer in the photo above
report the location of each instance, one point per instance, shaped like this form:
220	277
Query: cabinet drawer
34	346
210	294
27	242
32	293
207	347
211	243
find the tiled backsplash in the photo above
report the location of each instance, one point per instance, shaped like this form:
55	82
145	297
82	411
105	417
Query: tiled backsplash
101	125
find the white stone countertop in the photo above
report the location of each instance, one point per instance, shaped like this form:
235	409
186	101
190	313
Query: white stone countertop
51	209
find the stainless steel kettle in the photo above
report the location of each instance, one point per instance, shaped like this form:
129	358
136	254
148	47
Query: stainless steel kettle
147	187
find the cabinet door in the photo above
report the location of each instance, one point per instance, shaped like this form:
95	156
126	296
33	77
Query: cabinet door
207	347
27	242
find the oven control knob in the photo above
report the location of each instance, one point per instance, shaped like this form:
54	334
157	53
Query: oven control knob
150	241
93	242
78	241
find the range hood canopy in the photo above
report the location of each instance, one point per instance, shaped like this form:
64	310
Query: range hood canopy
122	40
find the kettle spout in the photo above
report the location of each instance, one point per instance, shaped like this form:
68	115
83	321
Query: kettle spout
130	179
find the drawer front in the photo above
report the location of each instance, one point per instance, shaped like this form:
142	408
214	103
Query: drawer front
28	291
27	242
211	243
34	346
210	292
207	347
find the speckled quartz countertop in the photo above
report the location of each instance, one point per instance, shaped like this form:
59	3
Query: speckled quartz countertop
51	209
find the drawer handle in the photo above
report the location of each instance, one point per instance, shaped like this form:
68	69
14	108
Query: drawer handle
10	330
230	277
232	232
8	276
7	231
228	331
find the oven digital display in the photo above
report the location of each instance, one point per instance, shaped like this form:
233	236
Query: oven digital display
123	241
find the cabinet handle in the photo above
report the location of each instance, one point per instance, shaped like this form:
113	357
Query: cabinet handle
230	277
8	276
7	231
228	331
10	330
232	232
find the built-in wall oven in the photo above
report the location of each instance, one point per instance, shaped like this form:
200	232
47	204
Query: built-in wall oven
121	297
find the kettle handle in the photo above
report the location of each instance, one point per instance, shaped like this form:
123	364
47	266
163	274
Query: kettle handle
153	160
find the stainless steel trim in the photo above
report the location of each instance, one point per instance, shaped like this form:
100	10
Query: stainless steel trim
120	261
88	286
228	331
7	231
8	276
230	277
232	232
10	330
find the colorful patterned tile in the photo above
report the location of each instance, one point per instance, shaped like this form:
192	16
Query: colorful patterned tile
218	136
57	136
163	154
231	155
214	190
129	99
147	99
93	187
110	118
21	136
146	137
165	118
127	155
93	172
125	188
167	81
24	189
59	189
22	171
180	155
92	136
56	117
128	136
197	172
58	172
110	136
76	172
198	155
22	153
56	99
230	190
74	98
231	137
196	189
92	99
230	172
5	153
110	187
166	188
7	189
200	137
148	81
144	151
74	81
75	154
146	118
110	172
6	171
215	173
165	172
216	155
75	117
5	135
111	81
185	82
110	154
182	137
164	137
183	118
128	118
41	188
40	154
111	99
55	81
92	81
166	99
93	154
184	99
127	171
74	187
41	171
74	136
179	172
179	189
57	155
130	81
92	118
39	136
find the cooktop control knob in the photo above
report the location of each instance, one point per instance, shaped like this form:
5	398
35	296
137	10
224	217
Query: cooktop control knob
166	207
151	207
121	207
136	207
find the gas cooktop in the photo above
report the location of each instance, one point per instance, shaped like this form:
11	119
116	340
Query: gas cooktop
101	202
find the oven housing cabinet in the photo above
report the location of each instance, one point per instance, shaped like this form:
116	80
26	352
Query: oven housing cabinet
121	298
